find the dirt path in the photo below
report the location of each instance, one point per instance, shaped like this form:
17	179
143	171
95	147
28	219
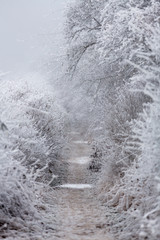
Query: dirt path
79	213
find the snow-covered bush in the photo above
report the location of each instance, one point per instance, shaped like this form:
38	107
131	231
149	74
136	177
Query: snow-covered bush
135	197
32	142
148	131
35	123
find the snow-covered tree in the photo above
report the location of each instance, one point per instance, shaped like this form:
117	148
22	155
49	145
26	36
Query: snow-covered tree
124	99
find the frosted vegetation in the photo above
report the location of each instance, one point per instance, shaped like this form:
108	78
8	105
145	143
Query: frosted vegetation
31	144
110	92
114	58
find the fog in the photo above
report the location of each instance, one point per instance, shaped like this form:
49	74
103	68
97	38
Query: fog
29	29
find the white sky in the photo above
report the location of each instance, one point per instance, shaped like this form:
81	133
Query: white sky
28	28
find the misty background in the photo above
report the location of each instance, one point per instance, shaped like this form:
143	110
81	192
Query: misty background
30	31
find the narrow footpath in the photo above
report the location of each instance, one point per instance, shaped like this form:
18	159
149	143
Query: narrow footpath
80	215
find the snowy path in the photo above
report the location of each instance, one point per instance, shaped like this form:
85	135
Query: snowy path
79	212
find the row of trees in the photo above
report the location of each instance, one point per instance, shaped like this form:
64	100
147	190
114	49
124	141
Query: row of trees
114	59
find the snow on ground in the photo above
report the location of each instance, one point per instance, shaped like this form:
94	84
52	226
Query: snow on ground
76	186
80	160
79	142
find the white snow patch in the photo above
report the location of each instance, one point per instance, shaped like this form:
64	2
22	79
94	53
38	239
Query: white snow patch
80	160
76	186
81	142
